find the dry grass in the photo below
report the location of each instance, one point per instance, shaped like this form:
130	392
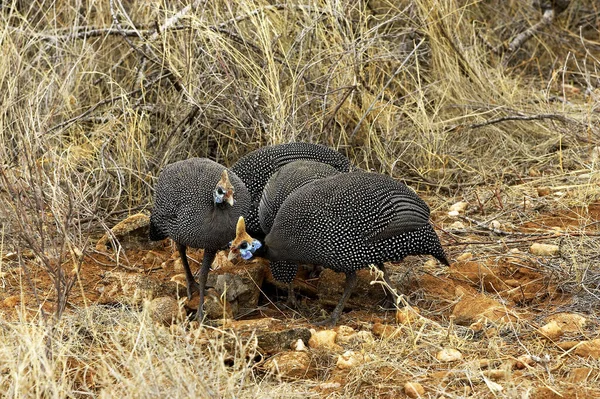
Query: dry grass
94	102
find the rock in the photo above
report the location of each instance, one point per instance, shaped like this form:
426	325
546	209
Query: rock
458	208
351	359
214	306
299	346
165	310
448	355
386	331
467	256
414	389
588	349
568	322
11	301
132	289
345	334
544	249
472	308
524	361
407	315
543	191
551	330
294	365
240	284
495	225
130	232
324	339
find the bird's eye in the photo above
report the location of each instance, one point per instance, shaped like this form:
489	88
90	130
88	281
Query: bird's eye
220	191
244	245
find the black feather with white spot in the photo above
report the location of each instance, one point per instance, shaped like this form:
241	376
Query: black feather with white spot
255	169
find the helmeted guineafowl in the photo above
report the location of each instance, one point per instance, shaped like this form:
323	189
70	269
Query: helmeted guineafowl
347	222
256	167
197	203
281	184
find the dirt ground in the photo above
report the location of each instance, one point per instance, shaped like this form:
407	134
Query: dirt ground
520	319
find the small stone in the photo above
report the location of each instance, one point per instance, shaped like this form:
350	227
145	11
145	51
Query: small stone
324	339
299	346
386	331
448	355
543	191
495	225
524	361
329	386
351	359
413	389
344	335
464	257
11	301
551	330
459	207
363	337
289	365
544	249
453	213
165	310
407	315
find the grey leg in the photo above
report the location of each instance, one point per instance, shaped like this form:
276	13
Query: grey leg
337	312
189	276
291	299
390	297
209	257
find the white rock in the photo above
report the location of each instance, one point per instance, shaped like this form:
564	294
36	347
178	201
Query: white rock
459	207
494	224
448	355
299	346
453	213
544	249
350	359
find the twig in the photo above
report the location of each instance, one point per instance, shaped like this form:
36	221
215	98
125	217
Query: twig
507	118
517	42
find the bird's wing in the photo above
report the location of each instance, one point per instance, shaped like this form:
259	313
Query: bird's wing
399	213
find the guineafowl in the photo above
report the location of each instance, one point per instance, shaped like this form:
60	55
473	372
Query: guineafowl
281	184
347	222
197	203
256	167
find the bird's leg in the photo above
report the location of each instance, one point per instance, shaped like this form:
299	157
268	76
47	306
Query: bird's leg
291	299
192	285
337	312
209	257
390	296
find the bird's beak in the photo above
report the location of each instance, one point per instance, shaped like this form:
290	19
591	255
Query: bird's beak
229	198
233	253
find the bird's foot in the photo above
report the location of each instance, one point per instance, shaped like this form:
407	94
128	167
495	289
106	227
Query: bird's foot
192	287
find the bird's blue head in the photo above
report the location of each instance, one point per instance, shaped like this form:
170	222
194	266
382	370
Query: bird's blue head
243	246
224	190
